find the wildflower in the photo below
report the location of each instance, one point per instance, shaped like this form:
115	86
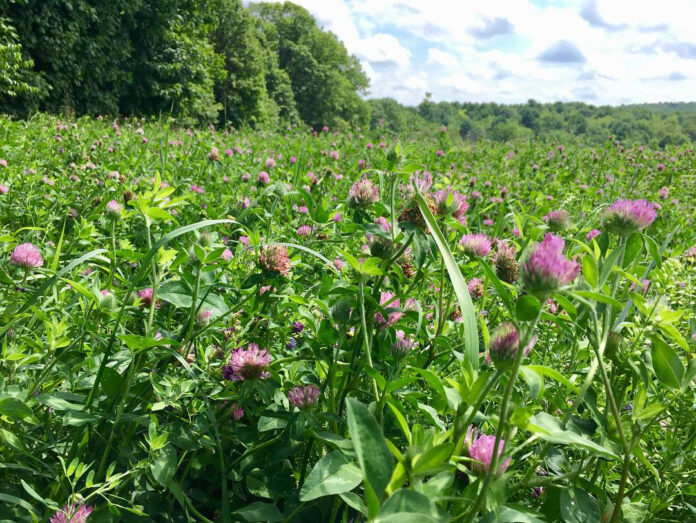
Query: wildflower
304	230
203	317
304	397
26	256
72	513
297	327
195	188
488	222
504	345
690	254
505	260
113	209
3	162
663	193
338	263
226	255
547	269
237	412
107	300
422	180
247	364
592	234
480	449
264	178
3	189
625	217
334	155
388	298
402	345
270	163
476	288
363	193
214	154
558	220
475	244
451	202
274	258
145	296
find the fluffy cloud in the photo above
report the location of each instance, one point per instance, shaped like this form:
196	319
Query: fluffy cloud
598	51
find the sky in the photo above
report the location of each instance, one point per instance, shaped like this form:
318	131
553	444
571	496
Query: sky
508	51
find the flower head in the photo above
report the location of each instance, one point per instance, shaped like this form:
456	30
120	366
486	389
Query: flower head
26	256
203	317
547	268
247	364
303	397
113	209
625	217
476	288
387	298
558	220
476	244
274	258
264	178
402	345
480	448
505	260
226	255
237	412
72	513
504	345
145	296
364	193
592	234
452	203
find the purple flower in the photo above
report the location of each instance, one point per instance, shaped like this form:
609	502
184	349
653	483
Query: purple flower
297	327
387	298
476	288
113	209
270	163
226	255
304	230
203	317
264	178
364	193
547	269
274	258
625	217
592	234
304	397
475	244
451	202
504	345
3	189
237	412
247	364
291	344
72	513
26	256
145	296
557	220
480	449
402	345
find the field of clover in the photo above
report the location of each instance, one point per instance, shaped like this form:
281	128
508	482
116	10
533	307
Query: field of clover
313	325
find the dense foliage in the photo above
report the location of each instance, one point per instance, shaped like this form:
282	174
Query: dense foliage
264	66
659	125
205	61
324	326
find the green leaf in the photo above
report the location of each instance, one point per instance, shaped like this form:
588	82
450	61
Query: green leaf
432	459
468	312
375	459
259	511
666	363
333	474
602	298
527	308
163	466
511	515
634	245
549	428
653	249
590	271
554	375
578	507
407	503
14	409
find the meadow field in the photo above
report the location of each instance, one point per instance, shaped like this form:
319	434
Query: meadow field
314	325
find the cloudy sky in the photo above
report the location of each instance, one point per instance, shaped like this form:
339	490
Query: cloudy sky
596	51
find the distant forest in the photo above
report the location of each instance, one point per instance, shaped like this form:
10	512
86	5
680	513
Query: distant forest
264	66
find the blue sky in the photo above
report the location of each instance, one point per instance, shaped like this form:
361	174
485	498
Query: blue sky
596	51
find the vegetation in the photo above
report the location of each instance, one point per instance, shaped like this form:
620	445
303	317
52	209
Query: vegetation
233	325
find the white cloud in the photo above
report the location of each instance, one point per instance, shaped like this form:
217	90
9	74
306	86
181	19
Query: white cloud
627	51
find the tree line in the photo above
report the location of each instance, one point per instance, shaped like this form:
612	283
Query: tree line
266	66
